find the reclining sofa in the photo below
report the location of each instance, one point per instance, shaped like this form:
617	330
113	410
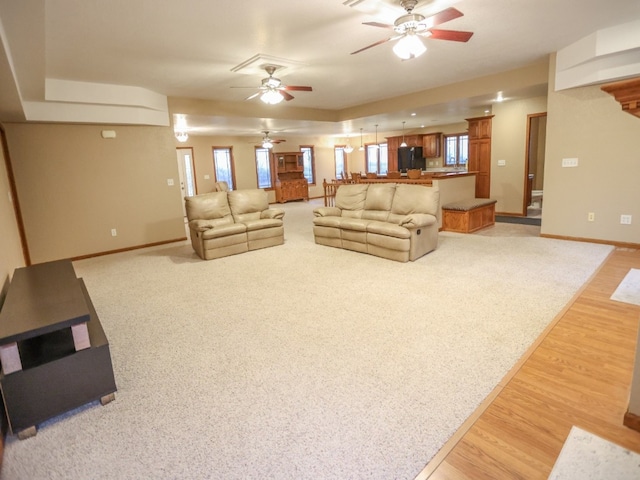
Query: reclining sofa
394	221
228	222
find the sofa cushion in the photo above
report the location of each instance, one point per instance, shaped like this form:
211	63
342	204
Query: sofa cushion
388	229
207	206
262	223
351	198
380	196
248	204
224	230
415	199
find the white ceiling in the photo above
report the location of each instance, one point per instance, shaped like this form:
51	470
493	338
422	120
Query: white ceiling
190	49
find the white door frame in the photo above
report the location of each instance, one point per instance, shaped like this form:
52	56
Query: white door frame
186	173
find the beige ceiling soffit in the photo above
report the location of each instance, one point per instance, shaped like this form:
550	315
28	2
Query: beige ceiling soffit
257	63
11	104
103	94
194	106
606	55
83	113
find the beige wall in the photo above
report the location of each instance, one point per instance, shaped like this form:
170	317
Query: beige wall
243	149
509	143
588	124
74	187
10	247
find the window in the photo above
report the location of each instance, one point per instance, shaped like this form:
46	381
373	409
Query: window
377	158
263	167
456	150
223	166
309	163
341	161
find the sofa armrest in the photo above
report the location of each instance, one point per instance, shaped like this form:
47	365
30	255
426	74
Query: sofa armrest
200	225
416	220
272	213
327	212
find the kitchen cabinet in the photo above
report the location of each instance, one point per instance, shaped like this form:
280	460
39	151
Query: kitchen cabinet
431	145
480	153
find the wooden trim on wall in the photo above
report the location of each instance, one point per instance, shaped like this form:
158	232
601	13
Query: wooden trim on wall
635	246
14	197
127	249
632	421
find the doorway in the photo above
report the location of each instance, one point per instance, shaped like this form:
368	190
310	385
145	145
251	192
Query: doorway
186	173
534	168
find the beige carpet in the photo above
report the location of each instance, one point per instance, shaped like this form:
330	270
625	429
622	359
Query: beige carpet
301	361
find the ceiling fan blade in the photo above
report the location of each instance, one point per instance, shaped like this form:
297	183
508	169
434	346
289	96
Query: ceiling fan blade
299	88
374	45
287	96
453	35
378	24
253	96
439	18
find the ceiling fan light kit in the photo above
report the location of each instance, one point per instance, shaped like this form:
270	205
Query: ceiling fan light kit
182	136
409	46
271	97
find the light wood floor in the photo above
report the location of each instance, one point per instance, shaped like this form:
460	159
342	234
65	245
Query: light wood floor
578	373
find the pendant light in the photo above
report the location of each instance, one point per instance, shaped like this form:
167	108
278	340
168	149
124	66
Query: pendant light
361	146
376	145
348	148
403	144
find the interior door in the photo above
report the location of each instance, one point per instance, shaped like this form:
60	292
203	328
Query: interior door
186	173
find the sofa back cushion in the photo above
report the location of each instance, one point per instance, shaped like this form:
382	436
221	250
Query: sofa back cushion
416	199
209	206
248	204
350	199
378	202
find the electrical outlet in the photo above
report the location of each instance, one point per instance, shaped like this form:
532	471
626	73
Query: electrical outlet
170	182
569	162
625	219
114	232
206	177
591	216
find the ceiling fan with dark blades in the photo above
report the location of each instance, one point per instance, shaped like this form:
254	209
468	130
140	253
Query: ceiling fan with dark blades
272	90
413	25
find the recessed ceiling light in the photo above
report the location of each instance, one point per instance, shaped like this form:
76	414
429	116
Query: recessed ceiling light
413	114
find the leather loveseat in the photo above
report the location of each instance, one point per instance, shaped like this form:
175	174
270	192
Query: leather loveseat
229	222
394	221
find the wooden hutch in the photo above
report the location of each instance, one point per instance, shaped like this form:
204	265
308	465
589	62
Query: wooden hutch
290	181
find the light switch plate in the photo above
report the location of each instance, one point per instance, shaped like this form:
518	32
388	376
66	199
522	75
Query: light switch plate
502	163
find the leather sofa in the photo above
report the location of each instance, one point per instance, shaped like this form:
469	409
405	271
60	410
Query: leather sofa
389	220
229	222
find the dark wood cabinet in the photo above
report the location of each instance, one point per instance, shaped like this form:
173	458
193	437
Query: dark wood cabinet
392	152
54	353
290	181
480	154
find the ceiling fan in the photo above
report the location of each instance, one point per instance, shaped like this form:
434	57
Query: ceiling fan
273	91
413	25
268	142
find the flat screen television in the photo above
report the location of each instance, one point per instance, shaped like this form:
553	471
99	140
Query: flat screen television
410	157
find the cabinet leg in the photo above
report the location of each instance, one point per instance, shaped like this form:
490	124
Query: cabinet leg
108	398
27	433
